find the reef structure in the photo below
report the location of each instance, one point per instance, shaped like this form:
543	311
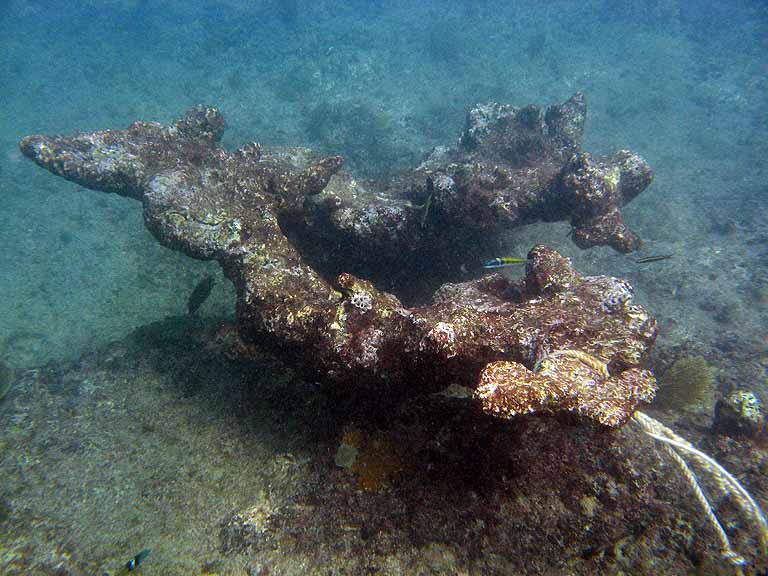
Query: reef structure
558	341
510	167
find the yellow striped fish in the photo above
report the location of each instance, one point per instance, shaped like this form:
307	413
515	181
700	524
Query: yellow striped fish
504	261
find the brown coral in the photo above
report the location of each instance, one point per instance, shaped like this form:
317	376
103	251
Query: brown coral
569	380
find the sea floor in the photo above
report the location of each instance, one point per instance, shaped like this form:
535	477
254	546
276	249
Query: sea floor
161	441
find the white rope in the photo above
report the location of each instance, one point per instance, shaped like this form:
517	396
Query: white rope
724	479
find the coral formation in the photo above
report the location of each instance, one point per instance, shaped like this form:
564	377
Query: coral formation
690	380
511	166
265	215
568	380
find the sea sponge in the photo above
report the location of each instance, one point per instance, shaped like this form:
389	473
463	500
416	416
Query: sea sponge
374	458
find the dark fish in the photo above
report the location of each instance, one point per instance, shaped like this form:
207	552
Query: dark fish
200	294
134	562
656	258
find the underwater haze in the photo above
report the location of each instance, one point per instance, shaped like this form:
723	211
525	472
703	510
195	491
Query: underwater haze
129	421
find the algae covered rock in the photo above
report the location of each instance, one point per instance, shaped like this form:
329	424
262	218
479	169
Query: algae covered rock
739	413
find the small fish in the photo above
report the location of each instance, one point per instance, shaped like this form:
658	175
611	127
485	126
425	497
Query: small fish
427	203
200	294
655	258
504	261
427	206
134	562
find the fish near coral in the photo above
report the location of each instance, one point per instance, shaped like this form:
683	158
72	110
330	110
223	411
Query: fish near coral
200	294
503	262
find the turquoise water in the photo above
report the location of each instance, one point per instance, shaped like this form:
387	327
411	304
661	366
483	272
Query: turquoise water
104	438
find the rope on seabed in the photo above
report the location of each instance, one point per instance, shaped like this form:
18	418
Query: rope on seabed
674	445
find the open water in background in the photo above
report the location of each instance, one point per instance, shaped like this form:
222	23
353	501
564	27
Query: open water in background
683	83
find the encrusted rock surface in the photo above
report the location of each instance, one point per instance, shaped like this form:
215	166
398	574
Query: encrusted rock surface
739	413
556	342
227	467
511	166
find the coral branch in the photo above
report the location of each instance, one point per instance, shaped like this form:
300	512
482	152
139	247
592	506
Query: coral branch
512	166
